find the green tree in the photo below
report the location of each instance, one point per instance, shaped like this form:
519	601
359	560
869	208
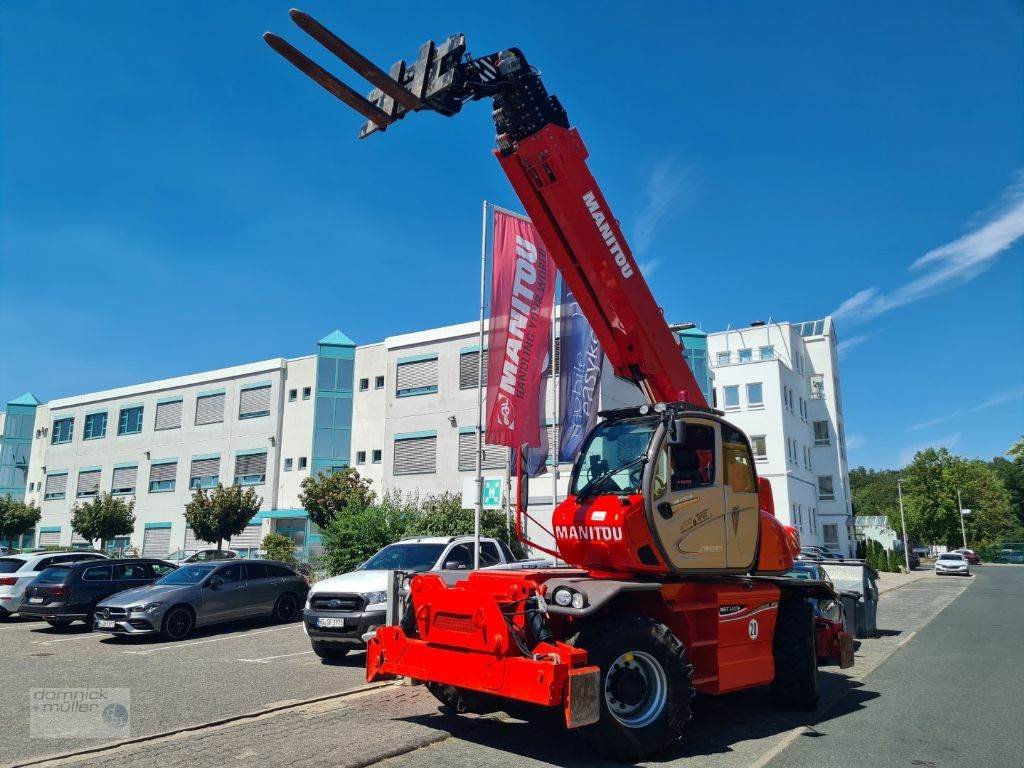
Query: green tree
352	536
930	498
325	496
443	515
103	518
873	492
16	519
221	513
1011	472
279	547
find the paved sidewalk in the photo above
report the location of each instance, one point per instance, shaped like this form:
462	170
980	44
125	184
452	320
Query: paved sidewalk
890	581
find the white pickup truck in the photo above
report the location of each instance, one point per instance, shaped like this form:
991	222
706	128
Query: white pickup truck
341	609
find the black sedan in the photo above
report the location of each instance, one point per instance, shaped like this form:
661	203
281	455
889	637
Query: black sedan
62	594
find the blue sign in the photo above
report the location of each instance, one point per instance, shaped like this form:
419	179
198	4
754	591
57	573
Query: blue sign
579	378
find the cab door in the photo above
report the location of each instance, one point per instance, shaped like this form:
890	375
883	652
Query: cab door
742	505
687	500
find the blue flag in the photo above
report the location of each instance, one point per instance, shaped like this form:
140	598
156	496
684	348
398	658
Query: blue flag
579	378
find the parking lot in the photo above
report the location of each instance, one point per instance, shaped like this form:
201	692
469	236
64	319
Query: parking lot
218	672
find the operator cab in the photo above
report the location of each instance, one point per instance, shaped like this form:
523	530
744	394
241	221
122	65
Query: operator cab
694	475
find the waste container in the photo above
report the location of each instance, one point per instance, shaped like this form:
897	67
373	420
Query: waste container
857	576
851	602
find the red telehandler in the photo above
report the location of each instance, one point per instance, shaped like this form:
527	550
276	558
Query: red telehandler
675	557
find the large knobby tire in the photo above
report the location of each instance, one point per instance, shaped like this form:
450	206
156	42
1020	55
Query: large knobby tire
796	659
646	686
178	623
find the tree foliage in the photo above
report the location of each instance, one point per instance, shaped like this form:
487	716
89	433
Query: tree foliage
874	492
279	547
16	518
325	496
103	517
1011	472
221	513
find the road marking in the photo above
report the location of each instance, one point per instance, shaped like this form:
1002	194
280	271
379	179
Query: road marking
148	651
266	659
66	639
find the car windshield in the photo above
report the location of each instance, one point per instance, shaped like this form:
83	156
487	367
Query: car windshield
951	557
189	574
404	557
614	449
55	574
10	564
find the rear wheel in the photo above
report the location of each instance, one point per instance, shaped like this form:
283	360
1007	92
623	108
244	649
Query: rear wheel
330	651
178	623
796	659
286	608
646	686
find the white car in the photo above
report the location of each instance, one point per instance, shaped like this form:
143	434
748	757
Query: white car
18	571
184	556
952	562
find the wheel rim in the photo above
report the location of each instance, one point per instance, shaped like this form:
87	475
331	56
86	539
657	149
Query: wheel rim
635	689
178	623
286	608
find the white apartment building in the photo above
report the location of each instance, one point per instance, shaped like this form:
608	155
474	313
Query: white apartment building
403	412
779	382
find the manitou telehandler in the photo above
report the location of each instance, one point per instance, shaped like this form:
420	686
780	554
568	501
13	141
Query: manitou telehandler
675	556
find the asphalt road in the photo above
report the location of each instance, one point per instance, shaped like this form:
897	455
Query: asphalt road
219	672
953	695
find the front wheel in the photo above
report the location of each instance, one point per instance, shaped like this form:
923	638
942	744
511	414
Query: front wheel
286	608
177	624
646	686
796	658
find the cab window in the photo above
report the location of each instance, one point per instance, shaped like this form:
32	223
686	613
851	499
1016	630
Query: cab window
739	465
693	462
488	554
460	556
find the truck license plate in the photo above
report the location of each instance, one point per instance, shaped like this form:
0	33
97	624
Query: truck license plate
330	622
104	624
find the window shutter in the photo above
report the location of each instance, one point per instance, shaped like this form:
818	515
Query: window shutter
415	455
205	468
250	464
254	402
156	542
168	415
210	409
124	479
495	456
421	374
159	473
56	484
468	369
250	538
49	538
88	483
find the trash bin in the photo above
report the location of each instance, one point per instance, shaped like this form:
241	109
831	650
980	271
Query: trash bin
851	603
857	576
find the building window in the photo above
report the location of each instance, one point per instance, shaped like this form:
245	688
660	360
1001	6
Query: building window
130	421
306	393
303	462
364	384
821	433
360	457
759	444
88	483
378	382
210	408
288	465
755	395
62	431
416	376
722	358
731	397
817	387
746	355
766	352
124	480
168	415
251	468
56	486
95	426
826	491
254	401
415	454
830	532
469	369
162	476
293	395
204	472
495	456
377	456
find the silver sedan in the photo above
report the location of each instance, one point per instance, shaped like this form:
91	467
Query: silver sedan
200	594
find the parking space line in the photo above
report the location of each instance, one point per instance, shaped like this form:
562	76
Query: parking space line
148	651
267	659
67	639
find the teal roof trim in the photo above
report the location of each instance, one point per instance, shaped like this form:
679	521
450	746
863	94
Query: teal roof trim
210	393
126	465
414	435
201	456
151	526
256	385
336	339
155	462
468	430
50	529
250	452
469	350
417	358
90	469
171	399
27	399
279	514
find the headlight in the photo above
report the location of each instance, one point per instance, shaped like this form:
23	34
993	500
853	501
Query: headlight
147	608
565	597
375	597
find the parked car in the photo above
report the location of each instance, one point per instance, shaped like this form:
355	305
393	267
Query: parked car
341	609
806	553
912	558
69	592
18	571
970	556
825	608
182	556
200	594
952	562
826	554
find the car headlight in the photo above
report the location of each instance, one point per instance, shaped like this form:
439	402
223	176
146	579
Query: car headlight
375	597
147	608
565	597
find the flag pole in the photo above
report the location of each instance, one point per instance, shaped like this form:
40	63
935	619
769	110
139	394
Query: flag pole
480	395
555	379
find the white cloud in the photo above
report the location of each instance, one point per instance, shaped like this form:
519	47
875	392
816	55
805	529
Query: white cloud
666	184
946	441
855	442
954	263
851	343
998	399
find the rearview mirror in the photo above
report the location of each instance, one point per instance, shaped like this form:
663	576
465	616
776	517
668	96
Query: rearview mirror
677	432
454	565
215	582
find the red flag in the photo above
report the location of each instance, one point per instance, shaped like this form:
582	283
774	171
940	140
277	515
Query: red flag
522	288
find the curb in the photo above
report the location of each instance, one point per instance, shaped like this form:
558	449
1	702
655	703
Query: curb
110	746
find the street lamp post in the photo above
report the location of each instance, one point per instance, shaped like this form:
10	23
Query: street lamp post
963	513
903	524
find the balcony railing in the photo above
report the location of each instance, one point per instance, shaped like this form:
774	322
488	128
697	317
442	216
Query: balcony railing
742	357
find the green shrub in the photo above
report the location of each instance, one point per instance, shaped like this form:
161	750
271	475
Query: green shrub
279	547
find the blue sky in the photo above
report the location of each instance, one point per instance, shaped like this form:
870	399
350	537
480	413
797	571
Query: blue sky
173	197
